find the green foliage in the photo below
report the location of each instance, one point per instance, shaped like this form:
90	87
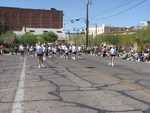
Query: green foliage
98	39
139	39
116	39
128	39
107	38
1	39
111	39
40	39
8	38
49	37
144	35
77	39
27	38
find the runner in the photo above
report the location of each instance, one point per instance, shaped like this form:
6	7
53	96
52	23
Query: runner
54	51
1	49
74	52
21	50
113	53
39	52
66	52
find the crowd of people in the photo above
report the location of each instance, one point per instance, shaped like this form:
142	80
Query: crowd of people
43	51
72	51
136	56
124	53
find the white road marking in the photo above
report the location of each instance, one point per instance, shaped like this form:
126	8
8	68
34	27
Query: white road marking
19	98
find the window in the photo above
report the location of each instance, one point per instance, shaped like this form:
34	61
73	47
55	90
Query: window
32	31
59	31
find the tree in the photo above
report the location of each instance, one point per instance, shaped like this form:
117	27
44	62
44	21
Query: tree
7	38
128	39
40	39
144	35
143	38
28	38
110	39
1	39
49	37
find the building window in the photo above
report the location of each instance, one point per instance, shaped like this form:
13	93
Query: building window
59	31
32	31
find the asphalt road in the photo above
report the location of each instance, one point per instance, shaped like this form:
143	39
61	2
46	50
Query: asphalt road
88	85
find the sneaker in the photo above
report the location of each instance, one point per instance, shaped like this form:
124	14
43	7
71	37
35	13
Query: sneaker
112	65
109	64
39	66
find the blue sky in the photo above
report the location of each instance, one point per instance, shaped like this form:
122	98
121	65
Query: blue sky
100	11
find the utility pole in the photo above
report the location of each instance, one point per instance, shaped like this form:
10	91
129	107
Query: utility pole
87	23
96	30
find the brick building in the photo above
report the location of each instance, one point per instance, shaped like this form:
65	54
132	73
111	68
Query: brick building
16	19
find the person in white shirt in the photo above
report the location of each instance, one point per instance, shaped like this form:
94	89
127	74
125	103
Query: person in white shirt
40	53
21	49
113	53
74	52
73	49
66	50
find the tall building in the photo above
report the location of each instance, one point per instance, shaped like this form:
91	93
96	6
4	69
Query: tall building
21	20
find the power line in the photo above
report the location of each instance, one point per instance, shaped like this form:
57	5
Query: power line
121	4
125	10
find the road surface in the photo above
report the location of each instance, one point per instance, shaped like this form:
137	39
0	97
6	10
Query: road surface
88	85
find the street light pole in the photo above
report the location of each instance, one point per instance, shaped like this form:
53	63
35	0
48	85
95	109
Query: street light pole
87	23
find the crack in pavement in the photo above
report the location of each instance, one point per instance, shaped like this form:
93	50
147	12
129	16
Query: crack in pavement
57	92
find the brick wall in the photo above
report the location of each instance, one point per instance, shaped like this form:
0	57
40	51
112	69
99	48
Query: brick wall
17	18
